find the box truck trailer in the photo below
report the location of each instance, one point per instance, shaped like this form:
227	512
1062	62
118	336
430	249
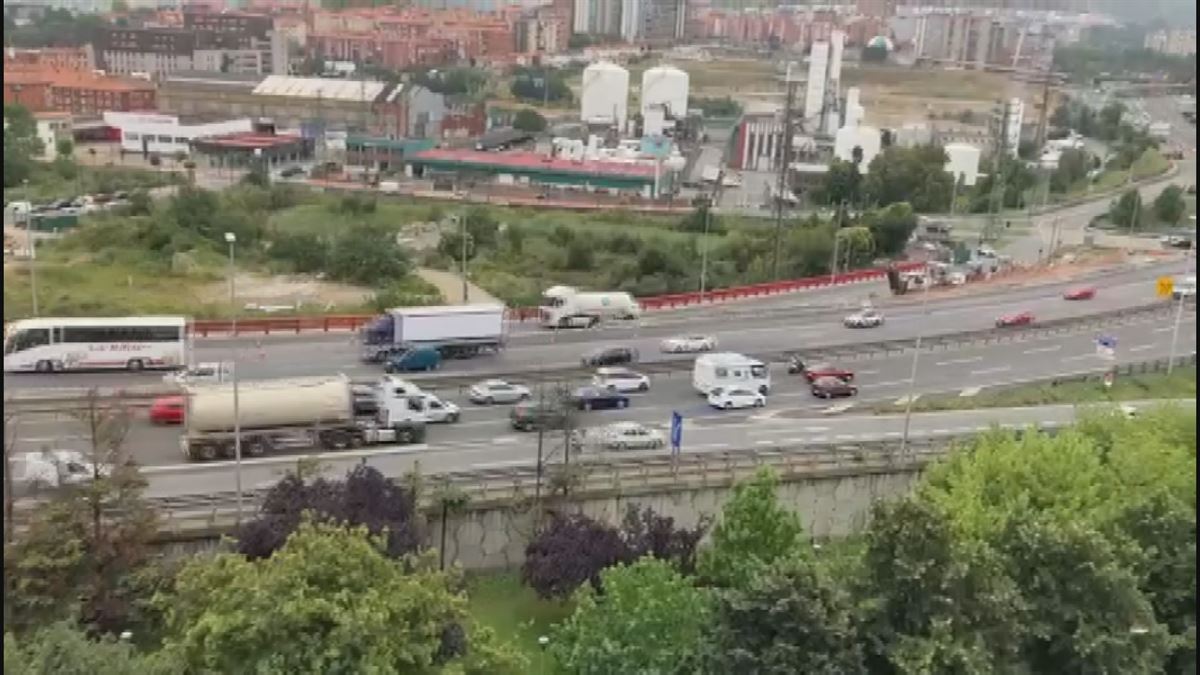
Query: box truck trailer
456	331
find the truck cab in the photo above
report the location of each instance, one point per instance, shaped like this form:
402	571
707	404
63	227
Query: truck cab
414	359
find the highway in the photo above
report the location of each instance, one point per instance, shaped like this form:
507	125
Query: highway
727	434
484	433
792	322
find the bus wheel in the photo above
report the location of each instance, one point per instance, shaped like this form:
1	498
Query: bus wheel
257	447
207	452
43	367
135	365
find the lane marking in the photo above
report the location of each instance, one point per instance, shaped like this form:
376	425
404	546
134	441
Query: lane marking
890	384
952	362
989	371
1164	329
1141	348
903	400
970	391
1042	350
1080	357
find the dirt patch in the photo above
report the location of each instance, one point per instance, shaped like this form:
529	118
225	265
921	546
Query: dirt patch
267	293
449	285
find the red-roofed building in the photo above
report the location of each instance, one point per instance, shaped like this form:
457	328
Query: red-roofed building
246	150
69	58
78	92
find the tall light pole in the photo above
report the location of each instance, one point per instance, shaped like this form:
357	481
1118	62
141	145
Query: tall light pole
1175	333
32	261
462	233
231	239
704	247
912	377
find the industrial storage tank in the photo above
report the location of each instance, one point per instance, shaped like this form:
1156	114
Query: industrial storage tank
272	403
869	139
963	162
605	98
665	86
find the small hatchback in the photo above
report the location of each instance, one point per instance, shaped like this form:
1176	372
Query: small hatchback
419	358
167	410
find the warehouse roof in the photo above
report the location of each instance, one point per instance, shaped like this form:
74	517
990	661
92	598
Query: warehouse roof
316	87
532	161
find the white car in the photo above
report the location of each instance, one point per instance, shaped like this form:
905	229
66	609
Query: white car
735	398
498	391
439	411
687	344
52	469
631	436
868	318
201	373
620	379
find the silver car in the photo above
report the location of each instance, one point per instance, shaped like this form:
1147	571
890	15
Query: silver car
868	318
620	379
687	344
498	391
631	436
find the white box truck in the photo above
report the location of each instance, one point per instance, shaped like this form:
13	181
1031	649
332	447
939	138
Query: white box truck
299	413
456	331
564	306
725	369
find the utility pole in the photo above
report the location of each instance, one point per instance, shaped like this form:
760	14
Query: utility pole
785	160
996	199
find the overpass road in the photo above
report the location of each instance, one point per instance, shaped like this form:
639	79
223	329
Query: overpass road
484	435
794	322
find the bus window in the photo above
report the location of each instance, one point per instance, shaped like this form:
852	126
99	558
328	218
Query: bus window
758	371
27	339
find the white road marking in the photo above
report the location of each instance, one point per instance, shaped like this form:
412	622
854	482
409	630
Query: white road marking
844	437
892	434
970	391
1042	350
903	400
1141	348
50	439
867	372
818	439
1164	329
952	362
835	409
1080	357
890	384
989	371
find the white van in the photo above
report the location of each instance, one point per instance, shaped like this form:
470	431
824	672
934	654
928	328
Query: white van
727	369
1185	287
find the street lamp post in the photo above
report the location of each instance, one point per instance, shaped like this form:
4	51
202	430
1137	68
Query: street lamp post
912	377
231	239
462	232
704	249
32	241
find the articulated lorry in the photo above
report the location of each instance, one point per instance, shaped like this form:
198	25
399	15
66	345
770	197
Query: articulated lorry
456	331
567	307
294	414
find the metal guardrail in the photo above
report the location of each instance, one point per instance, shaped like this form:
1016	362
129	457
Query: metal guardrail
350	322
859	350
634	475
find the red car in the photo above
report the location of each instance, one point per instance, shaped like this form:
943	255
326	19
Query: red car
1080	294
167	410
815	371
1022	319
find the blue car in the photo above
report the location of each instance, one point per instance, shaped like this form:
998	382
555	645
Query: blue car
592	398
418	358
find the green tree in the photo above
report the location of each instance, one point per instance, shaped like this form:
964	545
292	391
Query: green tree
368	255
530	120
1128	211
792	620
21	145
891	227
580	256
1073	166
329	601
914	175
842	183
647	620
754	531
1169	205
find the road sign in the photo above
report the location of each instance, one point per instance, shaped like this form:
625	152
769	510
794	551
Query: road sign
676	432
1165	286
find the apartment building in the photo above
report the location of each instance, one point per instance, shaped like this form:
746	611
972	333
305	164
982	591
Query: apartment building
70	58
228	42
1177	41
79	92
402	38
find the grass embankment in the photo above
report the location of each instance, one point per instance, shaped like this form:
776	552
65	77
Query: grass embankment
46	185
516	614
1179	384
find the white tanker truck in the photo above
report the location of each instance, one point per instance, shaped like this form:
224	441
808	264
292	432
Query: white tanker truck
300	413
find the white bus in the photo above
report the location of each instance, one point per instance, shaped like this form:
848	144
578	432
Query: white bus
727	369
129	343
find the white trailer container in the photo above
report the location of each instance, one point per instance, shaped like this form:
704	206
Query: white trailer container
727	369
457	331
290	413
562	304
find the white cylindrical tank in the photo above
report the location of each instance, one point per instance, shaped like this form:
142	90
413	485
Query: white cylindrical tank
963	162
665	86
868	138
272	403
605	98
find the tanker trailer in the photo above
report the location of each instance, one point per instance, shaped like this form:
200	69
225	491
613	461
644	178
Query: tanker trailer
292	414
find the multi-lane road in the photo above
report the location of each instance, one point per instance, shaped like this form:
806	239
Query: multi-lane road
781	323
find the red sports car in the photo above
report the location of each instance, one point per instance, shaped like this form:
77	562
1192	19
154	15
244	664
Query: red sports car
1021	319
167	410
1086	293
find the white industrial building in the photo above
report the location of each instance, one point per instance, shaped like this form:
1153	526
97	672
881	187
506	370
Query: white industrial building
605	97
854	134
664	95
822	92
1014	116
963	162
165	134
